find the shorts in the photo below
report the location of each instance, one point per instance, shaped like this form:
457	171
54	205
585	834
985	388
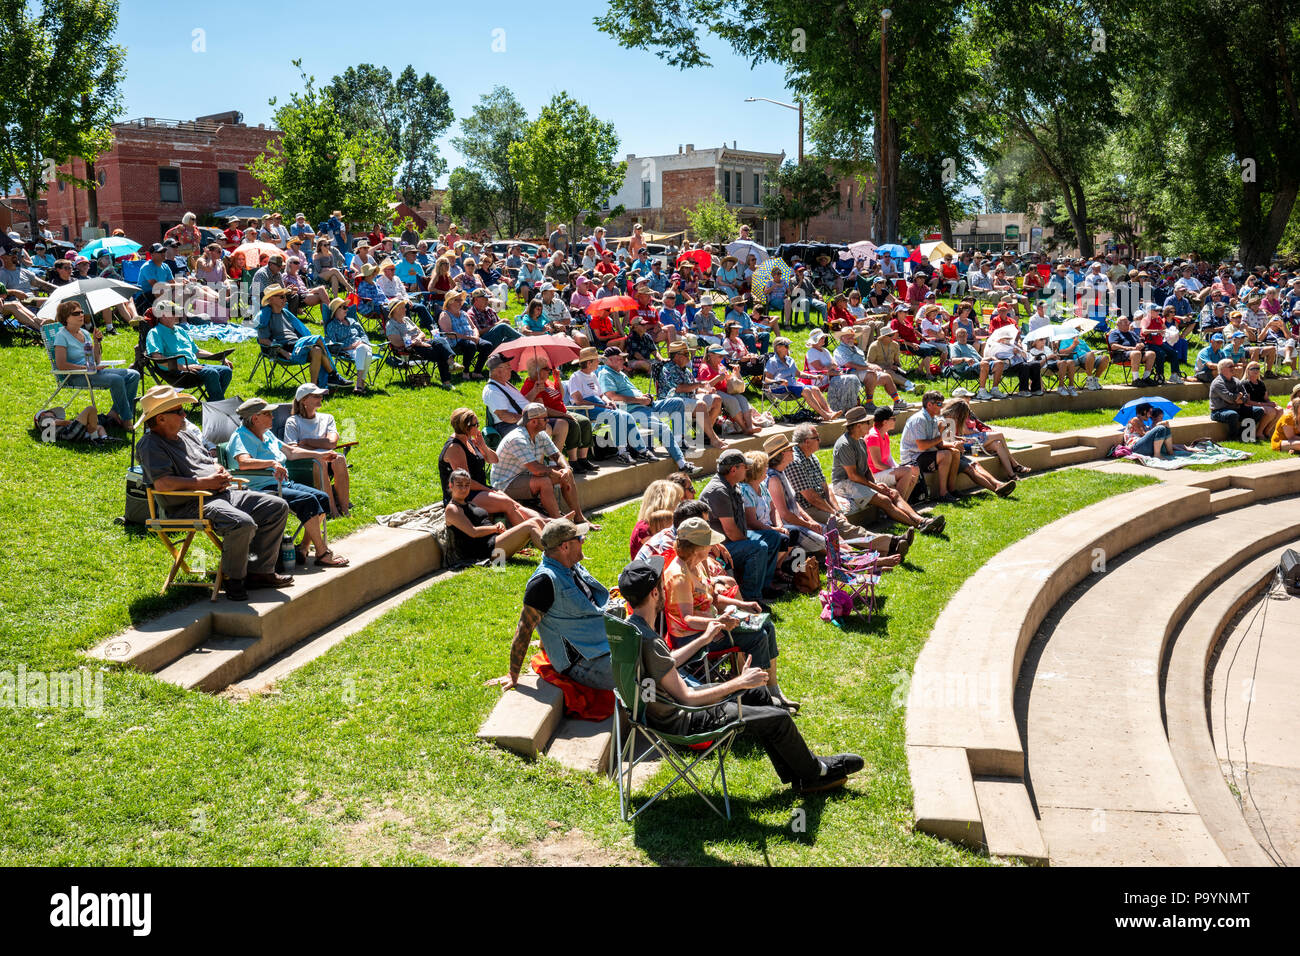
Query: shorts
889	477
858	496
927	461
520	487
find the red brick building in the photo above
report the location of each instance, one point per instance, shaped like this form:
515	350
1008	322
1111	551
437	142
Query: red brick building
157	170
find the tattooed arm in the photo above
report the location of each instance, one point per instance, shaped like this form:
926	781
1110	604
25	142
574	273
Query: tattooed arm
528	620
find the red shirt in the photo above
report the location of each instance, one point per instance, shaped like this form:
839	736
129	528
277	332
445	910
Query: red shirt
1000	319
551	395
604	267
906	331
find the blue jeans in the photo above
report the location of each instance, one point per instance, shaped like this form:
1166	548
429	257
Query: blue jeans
501	332
658	417
755	560
1166	354
1234	418
122	385
594	672
756	343
1147	443
216	379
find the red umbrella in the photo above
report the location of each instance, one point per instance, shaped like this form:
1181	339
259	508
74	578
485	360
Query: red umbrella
559	349
613	303
702	259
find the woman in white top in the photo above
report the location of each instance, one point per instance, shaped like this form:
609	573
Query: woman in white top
821	366
309	428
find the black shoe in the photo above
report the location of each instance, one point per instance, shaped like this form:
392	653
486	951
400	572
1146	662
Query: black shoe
643	454
235	590
838	769
691	471
339	381
584	466
625	458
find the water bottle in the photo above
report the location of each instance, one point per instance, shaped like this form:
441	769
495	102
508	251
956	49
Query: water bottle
288	554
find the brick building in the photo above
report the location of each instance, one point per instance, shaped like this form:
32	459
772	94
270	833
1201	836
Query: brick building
657	190
848	220
157	170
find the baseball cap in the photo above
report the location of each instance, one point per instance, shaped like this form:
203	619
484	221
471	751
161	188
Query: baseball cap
697	531
559	531
638	579
306	389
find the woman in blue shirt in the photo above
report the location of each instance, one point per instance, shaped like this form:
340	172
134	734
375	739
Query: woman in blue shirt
463	335
345	335
254	448
782	376
74	349
729	277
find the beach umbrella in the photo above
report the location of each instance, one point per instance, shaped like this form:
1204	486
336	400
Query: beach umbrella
701	258
559	349
767	275
1125	414
1040	333
119	246
1080	323
741	248
613	303
1065	332
893	250
863	249
1006	333
95	295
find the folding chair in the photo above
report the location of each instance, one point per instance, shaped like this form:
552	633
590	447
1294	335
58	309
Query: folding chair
855	577
625	660
270	363
177	534
66	379
399	364
780	402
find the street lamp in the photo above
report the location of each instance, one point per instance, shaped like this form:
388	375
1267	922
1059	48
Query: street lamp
790	106
884	172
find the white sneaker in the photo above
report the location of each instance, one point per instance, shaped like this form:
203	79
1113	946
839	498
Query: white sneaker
1175	380
962	393
907	385
997	393
1091	384
983	395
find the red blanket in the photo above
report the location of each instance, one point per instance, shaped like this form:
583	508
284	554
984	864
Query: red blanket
579	700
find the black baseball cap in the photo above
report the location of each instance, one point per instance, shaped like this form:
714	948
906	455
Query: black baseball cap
157	247
639	578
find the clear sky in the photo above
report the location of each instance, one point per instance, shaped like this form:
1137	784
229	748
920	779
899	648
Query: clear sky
247	49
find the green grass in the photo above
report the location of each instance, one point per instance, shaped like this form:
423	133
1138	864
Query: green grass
369	752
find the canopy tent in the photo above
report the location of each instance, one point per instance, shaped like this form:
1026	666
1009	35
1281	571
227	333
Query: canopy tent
243	212
937	250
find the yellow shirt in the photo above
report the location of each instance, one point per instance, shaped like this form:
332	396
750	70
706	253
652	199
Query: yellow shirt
1288	418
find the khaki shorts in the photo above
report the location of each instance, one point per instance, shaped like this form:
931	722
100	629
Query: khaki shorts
888	477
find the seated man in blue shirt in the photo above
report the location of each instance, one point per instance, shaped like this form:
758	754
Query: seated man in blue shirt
293	343
170	345
665	418
565	605
657	279
1207	361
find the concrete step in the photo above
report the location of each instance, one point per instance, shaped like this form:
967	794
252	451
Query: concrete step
1228	498
1010	827
1061	457
1095	733
524	719
582	744
944	801
210	666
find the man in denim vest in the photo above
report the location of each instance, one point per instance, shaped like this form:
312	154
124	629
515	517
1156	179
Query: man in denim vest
565	605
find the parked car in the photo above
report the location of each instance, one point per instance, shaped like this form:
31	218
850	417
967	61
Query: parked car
501	248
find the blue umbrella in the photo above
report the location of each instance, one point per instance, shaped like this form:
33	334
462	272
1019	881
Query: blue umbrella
118	245
892	249
1155	401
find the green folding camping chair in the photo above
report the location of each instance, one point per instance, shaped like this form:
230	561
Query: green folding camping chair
683	753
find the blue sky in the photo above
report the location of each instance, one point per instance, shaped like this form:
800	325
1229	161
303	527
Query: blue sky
548	48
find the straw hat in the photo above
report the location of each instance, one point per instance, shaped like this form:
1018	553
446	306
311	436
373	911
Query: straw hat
368	270
335	303
589	354
273	290
163	398
678	346
775	444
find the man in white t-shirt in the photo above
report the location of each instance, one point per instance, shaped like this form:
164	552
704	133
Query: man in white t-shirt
505	403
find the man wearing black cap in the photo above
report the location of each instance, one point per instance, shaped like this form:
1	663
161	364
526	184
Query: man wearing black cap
641	587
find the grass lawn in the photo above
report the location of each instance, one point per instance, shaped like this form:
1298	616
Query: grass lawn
369	753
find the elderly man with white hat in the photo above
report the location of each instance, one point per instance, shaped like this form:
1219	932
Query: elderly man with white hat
249	523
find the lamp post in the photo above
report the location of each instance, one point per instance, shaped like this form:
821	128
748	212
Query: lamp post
790	106
885	170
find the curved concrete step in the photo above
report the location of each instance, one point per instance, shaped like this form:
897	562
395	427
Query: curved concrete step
1100	768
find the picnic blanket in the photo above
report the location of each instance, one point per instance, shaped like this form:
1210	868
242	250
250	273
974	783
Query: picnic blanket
1202	453
428	518
222	332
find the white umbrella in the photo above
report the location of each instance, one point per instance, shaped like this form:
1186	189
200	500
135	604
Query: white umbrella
742	248
863	249
1064	332
1082	324
1005	333
95	295
1038	334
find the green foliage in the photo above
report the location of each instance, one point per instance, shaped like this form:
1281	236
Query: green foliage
321	165
564	164
411	112
713	221
798	192
60	91
498	120
472	202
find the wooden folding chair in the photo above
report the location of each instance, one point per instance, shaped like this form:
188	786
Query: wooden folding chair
177	534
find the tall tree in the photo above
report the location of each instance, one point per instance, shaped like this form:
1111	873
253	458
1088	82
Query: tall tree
799	191
1228	90
411	111
713	221
1052	70
565	162
320	164
60	90
472	202
486	134
830	50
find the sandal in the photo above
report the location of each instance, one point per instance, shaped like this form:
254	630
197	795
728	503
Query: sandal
1023	469
331	560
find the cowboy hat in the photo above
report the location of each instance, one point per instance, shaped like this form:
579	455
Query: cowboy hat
775	444
273	290
368	270
163	398
589	354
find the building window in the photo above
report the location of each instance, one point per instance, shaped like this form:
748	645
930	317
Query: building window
740	188
60	185
228	188
169	184
645	193
758	194
726	185
102	177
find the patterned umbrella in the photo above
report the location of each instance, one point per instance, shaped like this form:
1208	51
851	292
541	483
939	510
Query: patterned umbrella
863	249
767	275
249	255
